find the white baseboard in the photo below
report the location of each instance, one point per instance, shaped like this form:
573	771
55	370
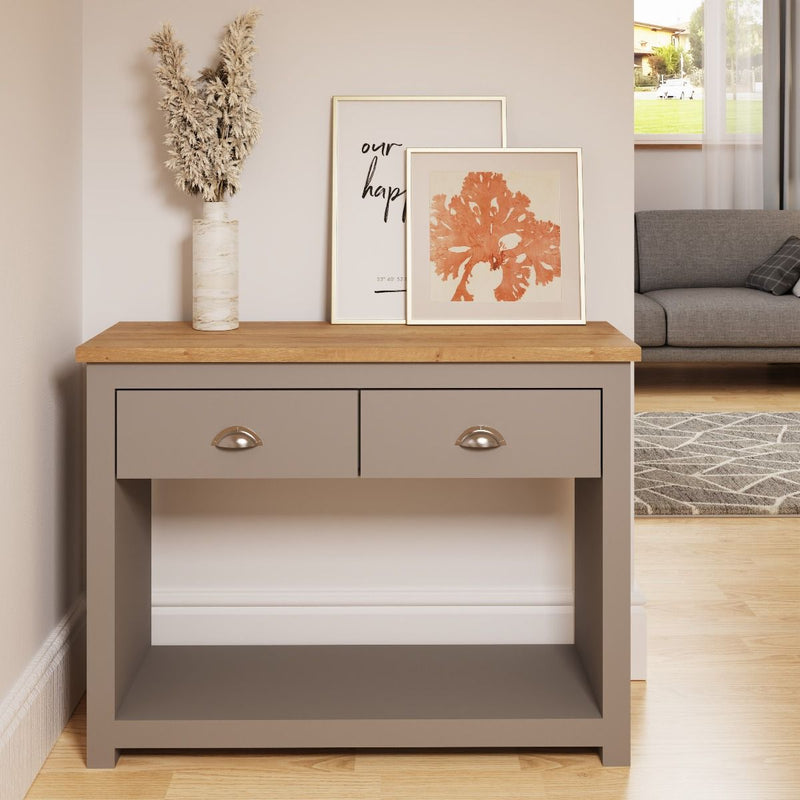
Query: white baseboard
41	703
380	616
362	625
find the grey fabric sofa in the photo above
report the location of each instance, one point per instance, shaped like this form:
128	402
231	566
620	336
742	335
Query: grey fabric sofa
691	303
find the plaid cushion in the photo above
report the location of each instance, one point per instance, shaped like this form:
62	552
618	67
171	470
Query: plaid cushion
780	272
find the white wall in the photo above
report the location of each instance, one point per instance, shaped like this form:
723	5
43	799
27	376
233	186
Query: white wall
669	178
40	235
137	251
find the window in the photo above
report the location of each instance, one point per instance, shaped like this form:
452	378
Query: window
697	69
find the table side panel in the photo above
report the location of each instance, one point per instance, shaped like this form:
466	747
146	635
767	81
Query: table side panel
603	521
617	516
132	586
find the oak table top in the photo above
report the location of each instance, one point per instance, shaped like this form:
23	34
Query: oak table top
321	342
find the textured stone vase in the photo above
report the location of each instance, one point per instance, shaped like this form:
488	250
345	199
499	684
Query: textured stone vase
215	270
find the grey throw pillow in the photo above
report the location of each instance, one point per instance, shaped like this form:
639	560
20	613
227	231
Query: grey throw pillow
780	272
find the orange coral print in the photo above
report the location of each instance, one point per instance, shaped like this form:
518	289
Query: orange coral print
488	223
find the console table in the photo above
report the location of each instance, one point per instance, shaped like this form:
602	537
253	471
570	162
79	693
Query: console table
312	400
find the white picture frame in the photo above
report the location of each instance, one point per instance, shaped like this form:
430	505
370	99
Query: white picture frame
368	192
495	236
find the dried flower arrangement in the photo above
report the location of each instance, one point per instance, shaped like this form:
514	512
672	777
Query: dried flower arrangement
211	126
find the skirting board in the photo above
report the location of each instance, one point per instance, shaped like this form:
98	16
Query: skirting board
191	618
41	703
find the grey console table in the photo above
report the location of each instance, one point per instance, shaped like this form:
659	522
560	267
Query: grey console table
303	400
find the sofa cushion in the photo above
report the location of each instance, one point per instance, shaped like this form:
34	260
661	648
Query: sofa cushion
649	322
779	273
687	249
729	317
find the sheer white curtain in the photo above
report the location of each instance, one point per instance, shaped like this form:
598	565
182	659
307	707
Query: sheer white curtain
733	91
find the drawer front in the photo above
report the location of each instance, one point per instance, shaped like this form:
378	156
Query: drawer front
549	433
169	433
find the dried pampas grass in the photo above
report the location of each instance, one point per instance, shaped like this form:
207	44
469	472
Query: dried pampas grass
211	126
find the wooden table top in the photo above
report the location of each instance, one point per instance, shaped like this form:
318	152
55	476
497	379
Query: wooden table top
321	342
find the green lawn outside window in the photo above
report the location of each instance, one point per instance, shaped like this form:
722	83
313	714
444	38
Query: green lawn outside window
686	116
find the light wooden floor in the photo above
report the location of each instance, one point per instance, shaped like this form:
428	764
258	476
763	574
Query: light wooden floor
719	716
700	387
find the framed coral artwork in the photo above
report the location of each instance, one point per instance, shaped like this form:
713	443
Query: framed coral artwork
369	201
495	237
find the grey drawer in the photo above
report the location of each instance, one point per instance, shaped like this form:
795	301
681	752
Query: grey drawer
168	433
549	433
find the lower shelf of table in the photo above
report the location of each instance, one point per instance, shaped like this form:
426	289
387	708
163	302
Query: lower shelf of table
359	696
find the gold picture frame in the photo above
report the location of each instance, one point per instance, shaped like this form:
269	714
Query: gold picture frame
368	193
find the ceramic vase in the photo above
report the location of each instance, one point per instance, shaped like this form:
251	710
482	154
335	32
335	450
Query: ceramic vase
215	270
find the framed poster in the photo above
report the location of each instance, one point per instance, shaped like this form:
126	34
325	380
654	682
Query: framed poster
368	203
495	236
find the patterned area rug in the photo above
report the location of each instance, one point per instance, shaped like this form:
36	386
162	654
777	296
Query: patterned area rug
727	464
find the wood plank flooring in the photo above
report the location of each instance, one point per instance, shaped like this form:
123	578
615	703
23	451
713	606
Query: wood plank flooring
719	716
703	387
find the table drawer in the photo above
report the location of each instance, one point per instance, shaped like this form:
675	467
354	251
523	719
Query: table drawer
169	433
549	433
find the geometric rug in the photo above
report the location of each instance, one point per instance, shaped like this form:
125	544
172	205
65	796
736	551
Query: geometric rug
726	464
